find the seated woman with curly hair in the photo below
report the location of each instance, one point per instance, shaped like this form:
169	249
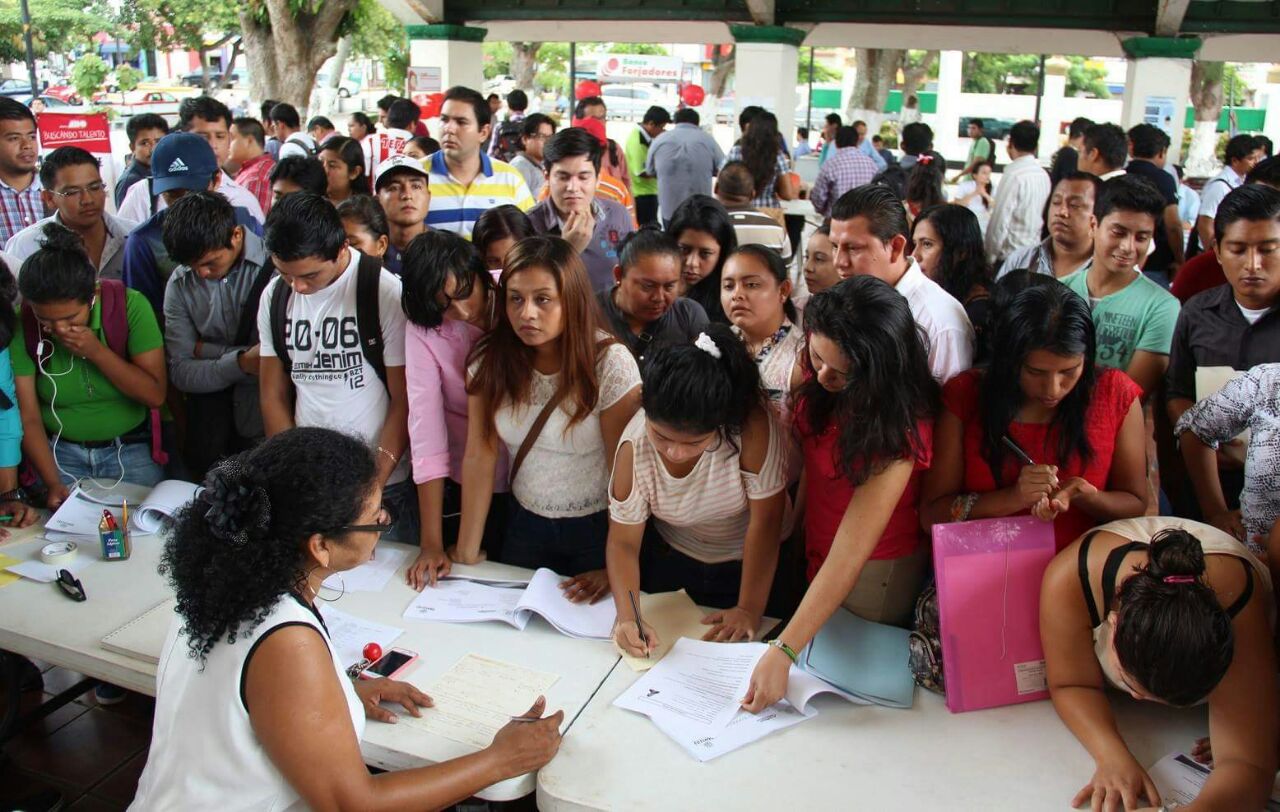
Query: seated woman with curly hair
253	710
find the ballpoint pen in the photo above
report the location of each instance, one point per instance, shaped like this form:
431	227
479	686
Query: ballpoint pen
1017	450
635	608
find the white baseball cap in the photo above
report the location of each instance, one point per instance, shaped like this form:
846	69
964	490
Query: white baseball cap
399	163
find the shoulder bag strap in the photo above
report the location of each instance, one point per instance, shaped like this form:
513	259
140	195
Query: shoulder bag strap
534	431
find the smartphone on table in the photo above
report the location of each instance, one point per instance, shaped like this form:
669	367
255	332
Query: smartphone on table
390	665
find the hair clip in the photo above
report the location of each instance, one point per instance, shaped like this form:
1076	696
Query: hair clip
1179	579
705	343
925	159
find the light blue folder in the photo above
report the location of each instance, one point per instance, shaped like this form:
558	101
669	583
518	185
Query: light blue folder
868	660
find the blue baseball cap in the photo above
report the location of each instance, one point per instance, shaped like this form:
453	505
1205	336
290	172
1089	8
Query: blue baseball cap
182	161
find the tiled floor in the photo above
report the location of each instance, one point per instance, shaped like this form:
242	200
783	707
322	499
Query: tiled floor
92	755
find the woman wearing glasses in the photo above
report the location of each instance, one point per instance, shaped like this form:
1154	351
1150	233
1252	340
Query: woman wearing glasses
248	649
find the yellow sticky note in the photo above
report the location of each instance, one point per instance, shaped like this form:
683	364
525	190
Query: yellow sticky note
7	577
672	615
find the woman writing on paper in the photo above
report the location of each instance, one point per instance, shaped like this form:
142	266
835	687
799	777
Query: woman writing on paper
707	460
1065	439
864	416
1170	611
253	708
449	300
549	385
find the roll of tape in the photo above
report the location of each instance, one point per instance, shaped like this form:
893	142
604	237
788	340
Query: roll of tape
59	553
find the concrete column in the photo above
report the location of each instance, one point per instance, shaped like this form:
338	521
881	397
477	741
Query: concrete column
766	59
1149	85
1051	105
1271	101
455	49
946	121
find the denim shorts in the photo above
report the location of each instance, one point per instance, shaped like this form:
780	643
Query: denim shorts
77	462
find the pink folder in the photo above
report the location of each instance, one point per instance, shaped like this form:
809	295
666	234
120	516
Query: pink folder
989	574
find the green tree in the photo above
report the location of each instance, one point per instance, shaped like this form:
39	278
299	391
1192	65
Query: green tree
1086	78
127	78
996	73
187	24
822	72
88	74
57	26
376	34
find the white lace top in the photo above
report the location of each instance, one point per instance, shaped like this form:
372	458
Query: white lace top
703	514
776	361
565	473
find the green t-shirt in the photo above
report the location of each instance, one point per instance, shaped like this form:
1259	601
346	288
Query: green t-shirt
636	152
980	150
1141	316
89	407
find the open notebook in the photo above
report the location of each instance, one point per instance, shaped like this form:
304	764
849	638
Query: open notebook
80	513
143	637
457	601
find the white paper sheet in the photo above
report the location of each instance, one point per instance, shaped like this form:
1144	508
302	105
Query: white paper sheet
1179	779
478	696
1210	380
592	621
372	575
698	682
162	504
78	515
467	602
37	570
350	634
742	730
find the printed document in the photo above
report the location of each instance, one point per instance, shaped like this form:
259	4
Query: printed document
350	634
371	576
697	682
1179	778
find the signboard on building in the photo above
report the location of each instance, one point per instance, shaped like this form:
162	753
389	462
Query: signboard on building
425	80
639	68
91	133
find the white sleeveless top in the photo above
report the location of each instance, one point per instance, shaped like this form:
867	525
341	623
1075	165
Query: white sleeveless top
204	753
1212	540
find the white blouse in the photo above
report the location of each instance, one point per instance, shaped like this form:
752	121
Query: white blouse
565	473
705	513
204	753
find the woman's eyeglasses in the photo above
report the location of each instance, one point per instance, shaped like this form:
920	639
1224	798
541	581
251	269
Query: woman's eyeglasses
383	525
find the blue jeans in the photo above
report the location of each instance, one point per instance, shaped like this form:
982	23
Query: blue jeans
570	546
77	462
401	501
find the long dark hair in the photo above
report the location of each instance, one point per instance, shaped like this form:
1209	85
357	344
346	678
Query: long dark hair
8	301
506	363
689	389
1172	635
60	271
431	259
240	545
1041	317
890	387
760	145
500	223
963	264
705	213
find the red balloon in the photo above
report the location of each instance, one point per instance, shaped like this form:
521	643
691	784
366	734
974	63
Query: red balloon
586	88
372	652
693	95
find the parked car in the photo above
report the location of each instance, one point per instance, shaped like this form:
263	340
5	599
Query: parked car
138	102
993	128
65	92
347	86
629	102
196	78
53	104
15	87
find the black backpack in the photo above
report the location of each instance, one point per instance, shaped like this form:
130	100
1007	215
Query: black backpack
1193	242
368	273
508	140
312	150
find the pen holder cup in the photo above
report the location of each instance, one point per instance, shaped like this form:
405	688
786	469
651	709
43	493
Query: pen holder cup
116	544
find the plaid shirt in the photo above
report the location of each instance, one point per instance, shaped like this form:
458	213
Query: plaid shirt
255	175
848	168
19	209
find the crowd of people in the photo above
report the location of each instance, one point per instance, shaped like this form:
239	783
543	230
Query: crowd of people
530	343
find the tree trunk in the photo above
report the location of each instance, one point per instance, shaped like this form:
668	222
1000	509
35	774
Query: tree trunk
225	81
877	68
722	64
340	63
524	63
285	50
1206	98
915	76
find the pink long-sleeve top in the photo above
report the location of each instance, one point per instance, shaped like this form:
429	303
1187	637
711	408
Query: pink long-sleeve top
435	376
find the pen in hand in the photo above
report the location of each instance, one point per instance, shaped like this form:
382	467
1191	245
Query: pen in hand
1017	450
635	608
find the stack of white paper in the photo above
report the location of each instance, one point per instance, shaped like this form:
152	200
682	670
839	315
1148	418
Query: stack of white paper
371	576
80	513
350	634
694	695
467	601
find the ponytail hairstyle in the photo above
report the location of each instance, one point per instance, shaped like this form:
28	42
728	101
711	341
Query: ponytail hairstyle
8	301
431	259
1044	315
1171	634
241	544
924	183
710	384
761	143
60	271
890	388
